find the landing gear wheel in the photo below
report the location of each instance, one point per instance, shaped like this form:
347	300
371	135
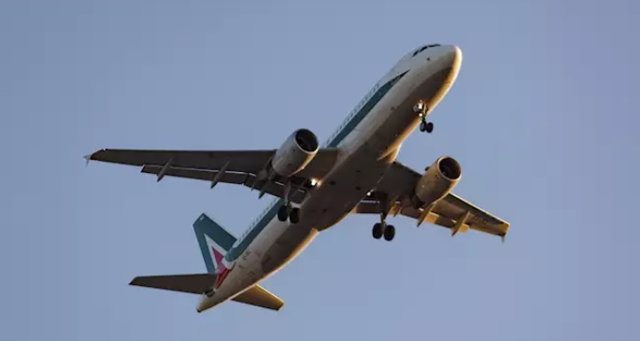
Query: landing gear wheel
294	215
423	111
426	126
377	231
283	213
429	127
389	233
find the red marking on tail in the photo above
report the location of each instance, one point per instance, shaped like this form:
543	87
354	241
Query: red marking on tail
221	276
221	270
217	257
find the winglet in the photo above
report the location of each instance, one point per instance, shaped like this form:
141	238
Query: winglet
87	159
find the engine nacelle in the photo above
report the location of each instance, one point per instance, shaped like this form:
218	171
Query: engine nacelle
295	153
437	181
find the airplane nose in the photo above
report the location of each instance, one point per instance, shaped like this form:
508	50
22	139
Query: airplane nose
447	57
450	55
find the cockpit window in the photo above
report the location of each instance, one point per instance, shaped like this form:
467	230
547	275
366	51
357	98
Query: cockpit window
424	48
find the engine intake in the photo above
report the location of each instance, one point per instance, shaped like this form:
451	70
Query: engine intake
437	181
295	153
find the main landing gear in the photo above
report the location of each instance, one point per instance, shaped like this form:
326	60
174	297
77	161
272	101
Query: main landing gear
422	110
287	212
382	229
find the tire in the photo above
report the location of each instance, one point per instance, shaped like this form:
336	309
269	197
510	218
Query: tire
389	233
377	231
283	213
423	126
429	127
294	215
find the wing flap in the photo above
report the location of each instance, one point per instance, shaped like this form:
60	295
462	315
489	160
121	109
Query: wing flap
260	297
454	207
474	220
199	174
274	188
192	283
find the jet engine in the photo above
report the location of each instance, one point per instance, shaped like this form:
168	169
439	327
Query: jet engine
437	181
295	153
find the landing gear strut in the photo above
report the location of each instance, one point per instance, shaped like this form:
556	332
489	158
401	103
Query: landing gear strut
422	110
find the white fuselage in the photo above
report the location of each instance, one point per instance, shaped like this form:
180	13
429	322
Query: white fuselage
368	142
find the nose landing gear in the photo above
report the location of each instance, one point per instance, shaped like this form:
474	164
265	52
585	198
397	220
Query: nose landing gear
422	110
426	126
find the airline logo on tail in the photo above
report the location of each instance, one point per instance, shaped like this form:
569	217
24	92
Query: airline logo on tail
214	242
221	266
217	253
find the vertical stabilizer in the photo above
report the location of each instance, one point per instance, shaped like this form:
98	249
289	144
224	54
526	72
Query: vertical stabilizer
214	243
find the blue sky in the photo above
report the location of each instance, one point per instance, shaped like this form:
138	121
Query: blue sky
541	118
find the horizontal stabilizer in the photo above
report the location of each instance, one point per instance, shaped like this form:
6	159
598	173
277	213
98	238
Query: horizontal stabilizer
194	284
260	297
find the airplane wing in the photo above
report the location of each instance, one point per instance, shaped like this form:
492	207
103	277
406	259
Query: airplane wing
452	211
246	167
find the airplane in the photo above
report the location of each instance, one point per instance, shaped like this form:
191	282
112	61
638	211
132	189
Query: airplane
354	172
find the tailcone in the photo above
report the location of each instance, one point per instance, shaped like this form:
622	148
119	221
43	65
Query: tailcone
207	302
